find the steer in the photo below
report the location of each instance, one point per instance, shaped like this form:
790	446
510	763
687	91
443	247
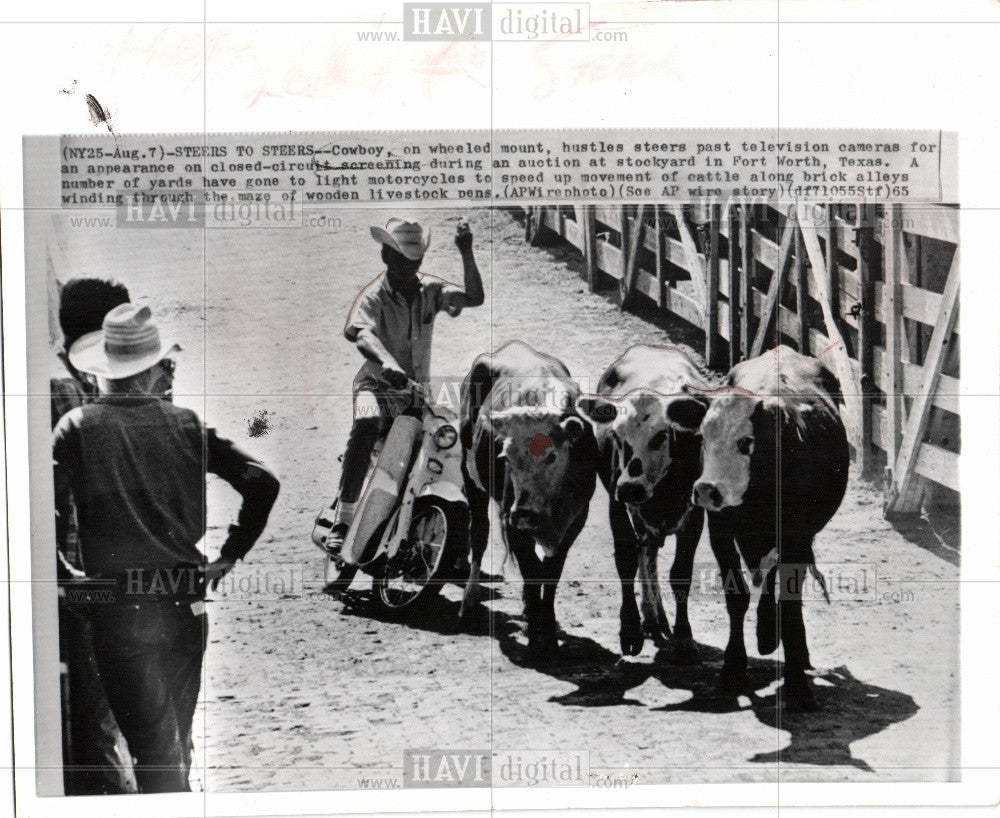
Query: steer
647	436
774	472
527	449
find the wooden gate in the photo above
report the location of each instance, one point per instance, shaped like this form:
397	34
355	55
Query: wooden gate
871	288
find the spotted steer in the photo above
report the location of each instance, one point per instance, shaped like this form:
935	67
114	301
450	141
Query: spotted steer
775	463
527	449
647	436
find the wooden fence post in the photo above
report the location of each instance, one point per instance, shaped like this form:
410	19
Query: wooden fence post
661	261
840	362
623	213
590	245
832	272
865	241
735	308
892	260
695	266
770	306
712	303
801	291
634	252
746	281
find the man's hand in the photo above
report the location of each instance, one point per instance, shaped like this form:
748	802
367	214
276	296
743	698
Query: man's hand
463	236
394	375
216	570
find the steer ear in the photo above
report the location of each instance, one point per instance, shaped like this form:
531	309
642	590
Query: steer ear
572	428
687	412
596	409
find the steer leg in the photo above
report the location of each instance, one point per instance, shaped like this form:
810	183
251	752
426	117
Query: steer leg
654	619
682	645
522	546
627	562
479	533
548	630
796	693
552	568
734	666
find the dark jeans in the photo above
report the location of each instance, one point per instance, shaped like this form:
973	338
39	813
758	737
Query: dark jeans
149	658
99	762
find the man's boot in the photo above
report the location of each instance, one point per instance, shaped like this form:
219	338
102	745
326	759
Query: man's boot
331	527
342	522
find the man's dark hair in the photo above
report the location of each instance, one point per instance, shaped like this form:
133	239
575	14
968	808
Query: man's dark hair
84	302
399	263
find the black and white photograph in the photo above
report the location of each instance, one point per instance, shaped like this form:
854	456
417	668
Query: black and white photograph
452	421
525	501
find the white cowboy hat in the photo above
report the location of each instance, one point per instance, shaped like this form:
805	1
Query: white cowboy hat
408	238
128	343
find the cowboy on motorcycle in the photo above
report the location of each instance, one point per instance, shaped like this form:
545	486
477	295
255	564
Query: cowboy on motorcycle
392	323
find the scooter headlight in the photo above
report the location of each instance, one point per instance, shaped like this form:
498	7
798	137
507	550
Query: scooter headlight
445	437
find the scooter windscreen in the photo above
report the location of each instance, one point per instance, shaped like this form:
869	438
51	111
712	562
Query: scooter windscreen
382	490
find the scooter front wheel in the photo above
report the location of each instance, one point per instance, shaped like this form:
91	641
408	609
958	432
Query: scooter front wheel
414	574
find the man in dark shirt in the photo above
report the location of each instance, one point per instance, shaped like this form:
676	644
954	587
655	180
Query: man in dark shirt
133	467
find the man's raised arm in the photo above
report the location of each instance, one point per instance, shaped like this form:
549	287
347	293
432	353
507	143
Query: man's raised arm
473	295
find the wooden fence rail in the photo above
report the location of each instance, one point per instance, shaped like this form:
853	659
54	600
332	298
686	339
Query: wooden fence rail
872	288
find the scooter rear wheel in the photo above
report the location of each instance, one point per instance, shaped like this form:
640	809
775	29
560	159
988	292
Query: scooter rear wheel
416	572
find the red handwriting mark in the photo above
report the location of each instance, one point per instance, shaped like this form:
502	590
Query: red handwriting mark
540	444
828	348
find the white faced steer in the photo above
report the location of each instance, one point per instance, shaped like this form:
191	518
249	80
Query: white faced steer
647	436
528	450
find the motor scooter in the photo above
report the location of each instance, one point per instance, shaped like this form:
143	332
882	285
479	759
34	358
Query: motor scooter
412	519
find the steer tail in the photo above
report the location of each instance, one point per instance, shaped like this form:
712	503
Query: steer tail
817	574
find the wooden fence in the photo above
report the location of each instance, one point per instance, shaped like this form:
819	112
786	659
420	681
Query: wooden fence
873	288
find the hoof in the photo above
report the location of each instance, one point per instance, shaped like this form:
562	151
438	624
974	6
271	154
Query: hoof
630	636
631	642
660	634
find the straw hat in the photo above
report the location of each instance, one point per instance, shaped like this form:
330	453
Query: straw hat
408	238
128	343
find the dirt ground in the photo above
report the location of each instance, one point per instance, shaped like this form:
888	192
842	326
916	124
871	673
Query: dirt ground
304	691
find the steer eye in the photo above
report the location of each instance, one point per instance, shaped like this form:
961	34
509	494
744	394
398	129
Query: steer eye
745	445
549	459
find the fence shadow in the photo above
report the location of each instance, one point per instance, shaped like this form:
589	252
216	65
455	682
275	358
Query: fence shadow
938	530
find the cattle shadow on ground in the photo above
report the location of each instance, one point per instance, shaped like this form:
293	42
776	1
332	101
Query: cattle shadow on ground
436	615
851	710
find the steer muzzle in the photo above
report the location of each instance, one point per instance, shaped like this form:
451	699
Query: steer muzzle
528	519
707	495
631	492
